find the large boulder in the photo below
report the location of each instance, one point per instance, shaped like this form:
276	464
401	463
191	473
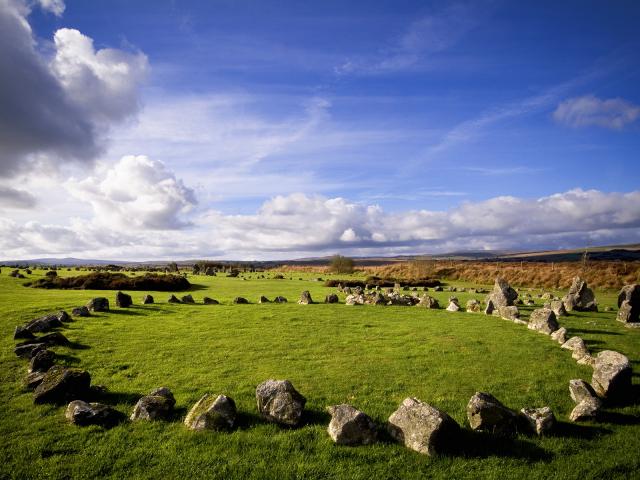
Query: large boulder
580	297
305	298
508	313
629	304
279	402
423	428
98	304
45	323
487	414
29	350
82	414
611	375
543	320
502	294
123	300
61	384
212	412
539	420
350	426
158	405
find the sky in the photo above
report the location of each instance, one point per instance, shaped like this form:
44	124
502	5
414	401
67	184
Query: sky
255	130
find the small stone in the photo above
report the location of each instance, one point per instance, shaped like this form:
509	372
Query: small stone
29	350
473	305
509	312
349	426
173	299
423	428
305	298
210	301
577	347
147	299
82	414
331	298
263	299
240	301
560	335
80	312
98	304
212	412
580	390
188	299
157	405
587	410
427	301
453	307
540	420
279	299
486	413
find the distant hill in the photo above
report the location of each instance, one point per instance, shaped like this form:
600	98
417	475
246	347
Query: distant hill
614	252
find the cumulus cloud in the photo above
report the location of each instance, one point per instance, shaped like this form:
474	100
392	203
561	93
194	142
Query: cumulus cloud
14	198
59	110
590	110
135	193
301	225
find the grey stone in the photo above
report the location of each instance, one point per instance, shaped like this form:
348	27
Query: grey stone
453	307
580	297
123	300
502	294
279	402
349	426
173	299
61	385
279	299
577	347
29	350
305	298
21	333
42	361
212	412
98	304
543	320
34	379
423	427
80	312
473	305
540	420
580	390
427	301
560	335
508	312
44	324
82	414
611	375
263	299
155	406
210	301
558	308
240	301
331	298
487	414
187	299
587	410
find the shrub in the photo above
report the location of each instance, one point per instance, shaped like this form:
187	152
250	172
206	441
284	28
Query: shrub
340	264
115	281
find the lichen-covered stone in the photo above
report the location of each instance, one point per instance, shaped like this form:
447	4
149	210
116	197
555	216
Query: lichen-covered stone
560	335
612	375
98	304
82	414
587	410
502	294
580	297
212	412
423	427
558	308
543	320
486	413
158	405
508	312
541	421
305	298
473	305
580	390
61	384
577	347
42	361
350	426
427	301
279	402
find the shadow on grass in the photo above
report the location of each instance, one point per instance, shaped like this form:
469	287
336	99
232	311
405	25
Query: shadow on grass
113	398
574	430
482	445
177	414
78	346
618	418
125	311
315	417
599	332
247	420
67	359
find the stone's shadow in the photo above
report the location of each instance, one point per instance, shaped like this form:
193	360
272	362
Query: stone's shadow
575	430
125	311
113	398
194	288
247	420
618	418
315	417
600	332
78	346
482	445
67	360
177	414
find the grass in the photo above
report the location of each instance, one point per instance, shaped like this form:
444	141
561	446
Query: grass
371	357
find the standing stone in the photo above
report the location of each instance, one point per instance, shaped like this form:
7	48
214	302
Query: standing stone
629	304
580	297
188	299
349	426
473	305
543	320
487	414
263	299
423	428
490	308
331	298
427	301
61	385
580	390
80	312
502	294
611	375
98	304
173	299
123	300
305	298
279	299
240	301
210	301
42	361
279	402
453	306
155	406
558	308
540	420
147	299
82	414
560	335
212	412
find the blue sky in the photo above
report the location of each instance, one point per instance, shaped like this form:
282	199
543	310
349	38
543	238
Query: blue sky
386	122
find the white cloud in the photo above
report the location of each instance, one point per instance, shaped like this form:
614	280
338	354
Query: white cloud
60	111
300	225
56	7
135	193
590	110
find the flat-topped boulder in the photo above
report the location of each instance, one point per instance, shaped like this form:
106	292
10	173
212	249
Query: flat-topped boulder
45	323
279	402
98	304
305	298
486	413
61	384
612	375
543	320
540	421
350	426
212	412
82	414
423	427
123	300
158	405
580	297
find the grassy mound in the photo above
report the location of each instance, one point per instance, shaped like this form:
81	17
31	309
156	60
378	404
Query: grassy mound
114	281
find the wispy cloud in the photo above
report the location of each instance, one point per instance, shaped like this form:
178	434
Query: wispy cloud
496	171
589	110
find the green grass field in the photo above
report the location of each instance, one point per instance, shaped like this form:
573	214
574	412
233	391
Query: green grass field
371	357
